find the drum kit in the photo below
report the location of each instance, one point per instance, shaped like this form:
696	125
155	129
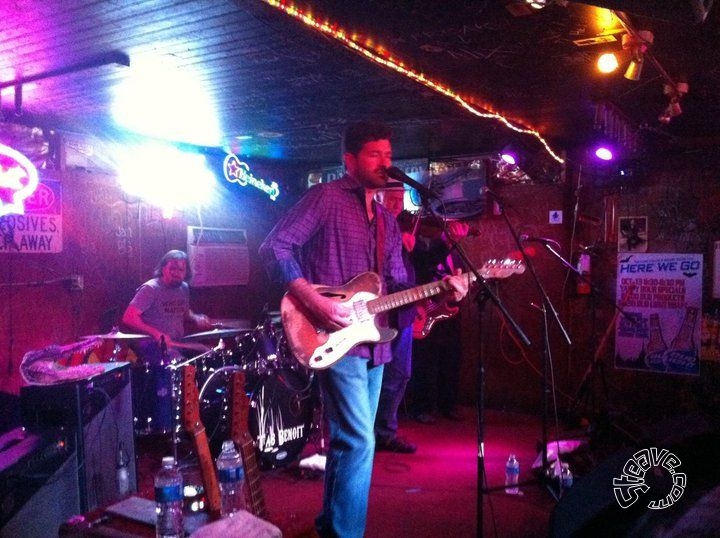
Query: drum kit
282	402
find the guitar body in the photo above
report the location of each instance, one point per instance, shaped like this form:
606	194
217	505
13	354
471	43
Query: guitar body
429	312
316	348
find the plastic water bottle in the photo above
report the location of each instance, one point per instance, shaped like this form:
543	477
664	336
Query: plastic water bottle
169	500
512	475
122	471
566	476
231	475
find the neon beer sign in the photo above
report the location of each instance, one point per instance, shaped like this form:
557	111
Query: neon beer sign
236	171
18	180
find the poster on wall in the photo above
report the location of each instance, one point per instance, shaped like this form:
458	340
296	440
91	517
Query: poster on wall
632	234
39	229
661	295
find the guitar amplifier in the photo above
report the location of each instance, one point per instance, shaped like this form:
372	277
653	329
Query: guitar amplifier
97	416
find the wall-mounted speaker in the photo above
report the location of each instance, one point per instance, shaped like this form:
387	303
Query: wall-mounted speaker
97	416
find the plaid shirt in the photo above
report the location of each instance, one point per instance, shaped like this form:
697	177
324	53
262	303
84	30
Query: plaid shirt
326	237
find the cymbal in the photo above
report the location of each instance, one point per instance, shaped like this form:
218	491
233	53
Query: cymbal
215	333
116	335
233	324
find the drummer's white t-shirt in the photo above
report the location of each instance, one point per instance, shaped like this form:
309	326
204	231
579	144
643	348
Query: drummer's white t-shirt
163	307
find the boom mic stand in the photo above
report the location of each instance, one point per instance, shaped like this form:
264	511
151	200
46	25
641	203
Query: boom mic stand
425	193
583	388
487	292
546	307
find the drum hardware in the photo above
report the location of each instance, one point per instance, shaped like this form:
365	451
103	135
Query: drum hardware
175	365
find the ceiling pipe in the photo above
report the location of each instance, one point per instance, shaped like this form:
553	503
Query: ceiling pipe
105	58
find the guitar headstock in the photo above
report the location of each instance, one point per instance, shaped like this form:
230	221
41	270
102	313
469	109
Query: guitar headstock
241	409
191	399
495	268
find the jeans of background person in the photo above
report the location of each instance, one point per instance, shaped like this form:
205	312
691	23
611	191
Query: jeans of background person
395	380
152	388
436	370
351	389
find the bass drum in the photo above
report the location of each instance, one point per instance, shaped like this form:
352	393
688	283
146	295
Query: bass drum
280	414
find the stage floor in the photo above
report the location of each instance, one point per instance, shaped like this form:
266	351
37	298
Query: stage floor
430	493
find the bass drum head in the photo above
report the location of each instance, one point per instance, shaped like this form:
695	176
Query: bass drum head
281	414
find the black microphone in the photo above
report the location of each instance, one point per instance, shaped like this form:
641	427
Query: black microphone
526	238
401	176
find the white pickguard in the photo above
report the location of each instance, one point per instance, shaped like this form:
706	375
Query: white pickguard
362	329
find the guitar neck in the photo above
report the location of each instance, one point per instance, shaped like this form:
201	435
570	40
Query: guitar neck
194	425
241	437
412	295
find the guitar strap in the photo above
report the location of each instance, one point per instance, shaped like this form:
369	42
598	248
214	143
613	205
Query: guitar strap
379	240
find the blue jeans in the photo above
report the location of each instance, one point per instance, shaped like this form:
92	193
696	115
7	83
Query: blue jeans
395	379
350	390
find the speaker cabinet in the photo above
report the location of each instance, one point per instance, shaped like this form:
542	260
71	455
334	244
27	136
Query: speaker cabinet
38	483
97	416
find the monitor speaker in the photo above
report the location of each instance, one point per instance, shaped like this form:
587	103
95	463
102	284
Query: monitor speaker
97	416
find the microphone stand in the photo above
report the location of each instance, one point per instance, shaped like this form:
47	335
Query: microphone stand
481	297
547	306
595	291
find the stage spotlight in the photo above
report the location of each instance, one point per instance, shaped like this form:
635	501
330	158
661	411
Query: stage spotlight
634	68
607	63
604	153
637	44
508	157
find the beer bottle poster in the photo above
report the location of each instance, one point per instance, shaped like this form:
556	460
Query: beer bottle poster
661	296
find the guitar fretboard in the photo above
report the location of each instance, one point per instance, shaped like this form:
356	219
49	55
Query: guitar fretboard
412	295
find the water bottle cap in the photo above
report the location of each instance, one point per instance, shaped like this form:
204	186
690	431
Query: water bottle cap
228	445
168	461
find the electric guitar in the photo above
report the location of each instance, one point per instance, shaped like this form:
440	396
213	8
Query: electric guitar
317	348
242	438
194	426
428	312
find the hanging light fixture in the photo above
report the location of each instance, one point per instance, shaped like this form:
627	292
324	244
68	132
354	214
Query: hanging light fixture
637	43
673	109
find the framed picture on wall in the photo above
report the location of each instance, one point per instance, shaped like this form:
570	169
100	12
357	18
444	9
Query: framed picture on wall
632	234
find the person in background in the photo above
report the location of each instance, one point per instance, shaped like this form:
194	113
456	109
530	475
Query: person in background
335	232
436	359
396	373
161	309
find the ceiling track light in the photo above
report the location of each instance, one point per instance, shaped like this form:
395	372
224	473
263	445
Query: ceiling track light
637	43
673	109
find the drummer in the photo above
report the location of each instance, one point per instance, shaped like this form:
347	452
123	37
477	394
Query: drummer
161	309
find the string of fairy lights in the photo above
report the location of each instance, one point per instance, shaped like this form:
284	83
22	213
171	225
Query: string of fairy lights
382	57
